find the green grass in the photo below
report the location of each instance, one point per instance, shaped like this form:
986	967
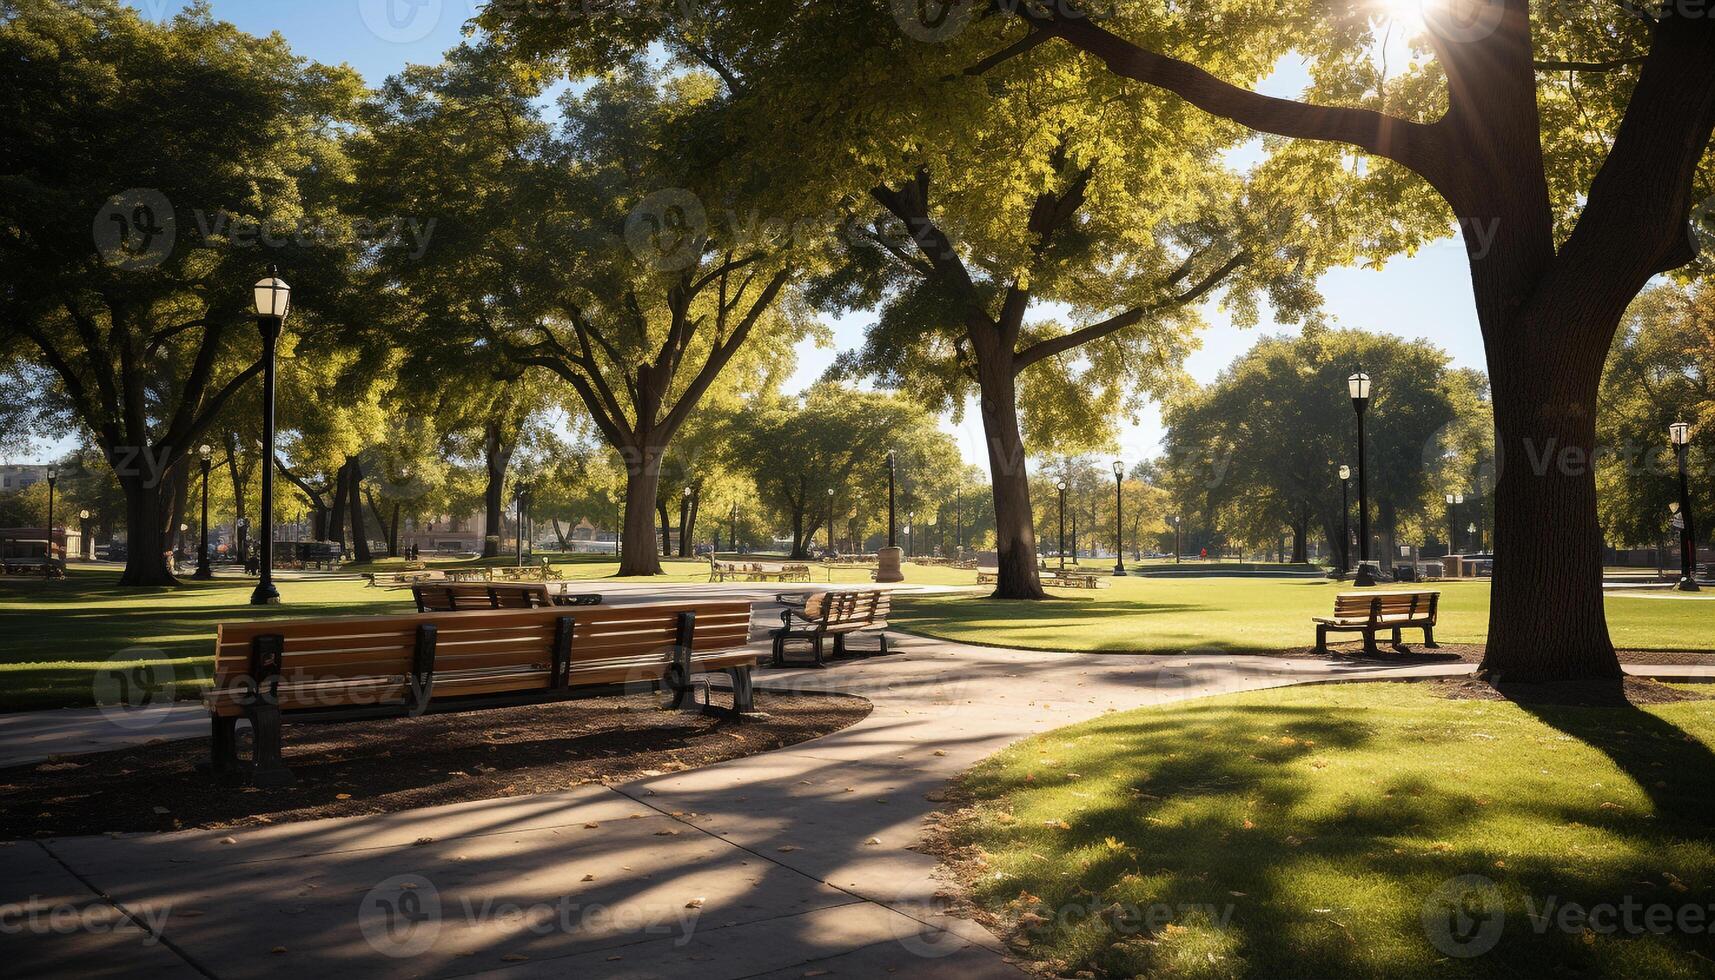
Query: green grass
1305	832
64	639
1238	615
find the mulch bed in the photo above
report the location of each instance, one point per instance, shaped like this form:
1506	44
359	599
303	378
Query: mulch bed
381	766
1588	694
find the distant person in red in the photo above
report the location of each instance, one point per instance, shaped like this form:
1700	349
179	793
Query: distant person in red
1203	553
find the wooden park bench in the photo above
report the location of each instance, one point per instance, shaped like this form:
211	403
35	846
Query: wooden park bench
402	579
1068	579
835	614
48	568
751	571
321	670
457	596
1369	612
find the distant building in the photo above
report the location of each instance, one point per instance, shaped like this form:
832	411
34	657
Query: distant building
21	476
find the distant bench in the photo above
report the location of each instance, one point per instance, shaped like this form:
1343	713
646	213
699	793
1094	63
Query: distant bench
318	670
47	568
456	596
750	571
1054	577
835	614
403	579
1369	612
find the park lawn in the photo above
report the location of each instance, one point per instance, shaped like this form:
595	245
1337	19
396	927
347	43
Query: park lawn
61	640
1309	832
1249	615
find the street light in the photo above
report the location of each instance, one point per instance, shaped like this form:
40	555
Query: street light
1679	433
1472	531
273	301
53	478
1173	519
735	527
204	572
892	471
1345	521
1119	520
1454	500
959	520
830	522
87	548
1061	486
1358	386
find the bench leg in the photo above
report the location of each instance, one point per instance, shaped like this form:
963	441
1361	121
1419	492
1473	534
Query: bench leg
820	660
779	650
882	652
267	768
223	746
1429	639
839	644
743	692
1321	639
1398	641
1370	643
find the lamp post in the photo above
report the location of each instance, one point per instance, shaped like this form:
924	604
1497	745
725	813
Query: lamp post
518	526
1345	521
1119	518
959	521
1454	500
204	572
1679	433
1358	386
892	472
183	527
273	301
1472	531
830	522
910	532
735	527
243	552
1061	486
53	478
86	550
1173	519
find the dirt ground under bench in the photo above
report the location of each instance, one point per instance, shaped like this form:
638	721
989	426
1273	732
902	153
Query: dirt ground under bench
385	765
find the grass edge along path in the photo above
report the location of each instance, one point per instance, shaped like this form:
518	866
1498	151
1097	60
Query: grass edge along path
1351	830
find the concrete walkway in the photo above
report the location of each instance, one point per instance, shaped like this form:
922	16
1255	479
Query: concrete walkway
792	863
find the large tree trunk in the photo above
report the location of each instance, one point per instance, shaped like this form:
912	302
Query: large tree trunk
341	496
1301	542
637	554
666	528
497	456
145	542
1546	616
354	504
1015	536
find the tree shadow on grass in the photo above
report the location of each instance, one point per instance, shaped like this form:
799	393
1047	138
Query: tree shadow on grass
1281	840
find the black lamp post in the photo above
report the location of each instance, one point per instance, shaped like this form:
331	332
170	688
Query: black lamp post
1358	386
910	531
1679	433
1454	500
1119	518
735	527
273	301
1345	521
892	472
830	522
959	521
204	572
86	549
1174	520
243	551
518	526
1061	486
53	478
1472	531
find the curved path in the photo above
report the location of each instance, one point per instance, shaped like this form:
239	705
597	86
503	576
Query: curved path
791	863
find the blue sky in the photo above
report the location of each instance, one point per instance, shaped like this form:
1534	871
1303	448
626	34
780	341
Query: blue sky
1427	295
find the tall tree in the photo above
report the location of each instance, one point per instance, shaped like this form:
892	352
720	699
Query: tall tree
1570	143
147	323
